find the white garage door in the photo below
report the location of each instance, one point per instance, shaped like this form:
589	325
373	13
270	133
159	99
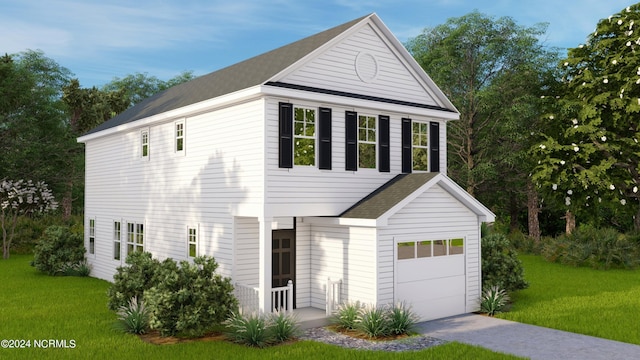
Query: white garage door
430	276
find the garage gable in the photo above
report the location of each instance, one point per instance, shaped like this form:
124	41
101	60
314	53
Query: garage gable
390	198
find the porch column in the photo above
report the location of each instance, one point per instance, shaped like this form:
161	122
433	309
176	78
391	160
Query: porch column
264	298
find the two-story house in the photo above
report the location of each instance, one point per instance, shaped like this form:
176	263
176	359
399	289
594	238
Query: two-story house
322	162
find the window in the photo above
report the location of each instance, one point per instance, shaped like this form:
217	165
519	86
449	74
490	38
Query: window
180	136
304	136
420	146
117	239
92	236
193	242
135	238
429	248
366	142
144	141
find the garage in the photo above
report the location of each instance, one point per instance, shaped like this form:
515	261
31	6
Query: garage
430	275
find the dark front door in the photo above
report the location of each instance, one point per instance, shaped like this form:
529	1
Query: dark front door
283	261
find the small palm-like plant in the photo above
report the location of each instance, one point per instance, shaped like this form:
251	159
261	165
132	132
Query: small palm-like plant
251	329
373	321
493	300
283	326
134	316
347	315
401	319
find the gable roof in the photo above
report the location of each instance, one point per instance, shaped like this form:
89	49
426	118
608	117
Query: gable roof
259	70
404	188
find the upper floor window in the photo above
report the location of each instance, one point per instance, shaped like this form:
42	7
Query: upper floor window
304	136
179	135
193	242
366	142
144	141
420	146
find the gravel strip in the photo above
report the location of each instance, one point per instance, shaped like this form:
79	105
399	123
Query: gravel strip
411	343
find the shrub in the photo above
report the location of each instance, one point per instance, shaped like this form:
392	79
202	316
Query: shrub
134	316
283	326
401	320
597	248
58	251
347	315
189	299
373	321
251	330
500	264
493	300
133	279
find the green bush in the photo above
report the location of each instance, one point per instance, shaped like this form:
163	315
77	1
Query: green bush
251	329
133	279
59	251
134	316
189	299
494	299
373	321
30	229
284	326
597	248
347	315
500	264
401	319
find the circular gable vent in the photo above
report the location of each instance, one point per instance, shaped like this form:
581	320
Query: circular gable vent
367	67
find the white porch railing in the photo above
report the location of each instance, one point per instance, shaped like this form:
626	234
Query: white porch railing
334	289
249	298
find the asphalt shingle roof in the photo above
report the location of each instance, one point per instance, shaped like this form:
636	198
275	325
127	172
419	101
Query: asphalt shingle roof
245	74
387	196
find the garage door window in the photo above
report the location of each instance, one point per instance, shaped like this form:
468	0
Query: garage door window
430	248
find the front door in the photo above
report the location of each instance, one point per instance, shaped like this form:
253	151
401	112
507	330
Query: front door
283	261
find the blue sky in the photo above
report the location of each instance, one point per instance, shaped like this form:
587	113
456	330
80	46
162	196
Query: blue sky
101	39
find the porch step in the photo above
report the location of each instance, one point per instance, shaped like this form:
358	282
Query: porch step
314	323
309	317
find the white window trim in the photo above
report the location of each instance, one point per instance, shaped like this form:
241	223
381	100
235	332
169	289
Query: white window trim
136	225
427	123
375	143
91	233
446	237
142	144
314	137
197	240
183	136
114	240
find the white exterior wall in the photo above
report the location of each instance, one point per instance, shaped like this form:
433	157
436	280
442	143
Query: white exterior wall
246	264
220	174
347	253
434	213
303	265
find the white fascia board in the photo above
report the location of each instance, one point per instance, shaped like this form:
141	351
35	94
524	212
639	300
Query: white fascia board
340	221
349	102
189	110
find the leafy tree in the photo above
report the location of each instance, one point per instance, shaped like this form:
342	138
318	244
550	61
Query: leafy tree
492	70
139	86
589	153
500	264
21	198
59	251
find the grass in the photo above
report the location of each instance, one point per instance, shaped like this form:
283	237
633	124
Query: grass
34	306
582	300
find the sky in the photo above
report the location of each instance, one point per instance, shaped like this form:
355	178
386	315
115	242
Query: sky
98	40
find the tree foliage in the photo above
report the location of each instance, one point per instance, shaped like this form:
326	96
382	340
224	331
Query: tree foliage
500	264
139	86
59	251
589	156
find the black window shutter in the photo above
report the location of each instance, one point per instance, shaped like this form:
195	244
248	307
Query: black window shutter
285	152
434	147
324	132
407	164
383	144
351	137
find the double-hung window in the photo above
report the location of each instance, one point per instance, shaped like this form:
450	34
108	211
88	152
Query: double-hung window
135	237
179	136
192	240
144	143
304	136
366	142
117	240
420	146
92	236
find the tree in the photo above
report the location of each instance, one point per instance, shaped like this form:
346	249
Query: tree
21	198
589	156
138	86
493	72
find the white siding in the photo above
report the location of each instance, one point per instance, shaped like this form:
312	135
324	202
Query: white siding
219	175
434	212
335	69
303	265
346	253
246	259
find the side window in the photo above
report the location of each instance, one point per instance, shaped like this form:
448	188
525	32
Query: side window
304	136
192	239
135	237
420	146
117	240
366	142
144	144
92	236
179	136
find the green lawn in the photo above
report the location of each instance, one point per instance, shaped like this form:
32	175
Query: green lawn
600	303
38	307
